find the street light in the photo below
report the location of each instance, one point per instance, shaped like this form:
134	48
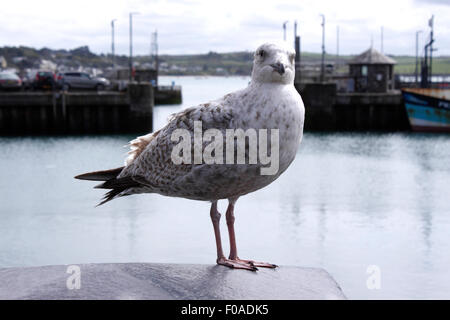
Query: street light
337	47
296	45
112	42
322	67
295	29
131	44
417	56
284	30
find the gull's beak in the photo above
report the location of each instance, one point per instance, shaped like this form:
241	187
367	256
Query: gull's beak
278	67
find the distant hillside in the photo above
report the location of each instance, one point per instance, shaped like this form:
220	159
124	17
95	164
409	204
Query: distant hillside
26	57
233	63
212	63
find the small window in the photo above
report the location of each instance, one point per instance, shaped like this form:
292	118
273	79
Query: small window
364	70
379	76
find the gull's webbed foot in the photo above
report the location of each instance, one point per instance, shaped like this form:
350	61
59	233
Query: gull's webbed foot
236	264
244	264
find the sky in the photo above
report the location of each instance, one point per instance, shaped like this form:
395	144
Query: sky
200	26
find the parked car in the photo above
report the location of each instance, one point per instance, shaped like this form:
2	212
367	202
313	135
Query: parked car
10	81
28	79
81	80
43	80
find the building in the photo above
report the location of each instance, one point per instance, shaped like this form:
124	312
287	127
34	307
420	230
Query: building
372	71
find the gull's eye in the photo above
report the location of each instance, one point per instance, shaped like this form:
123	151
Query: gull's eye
262	53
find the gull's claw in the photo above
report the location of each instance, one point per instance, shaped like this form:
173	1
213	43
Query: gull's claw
237	264
244	264
260	264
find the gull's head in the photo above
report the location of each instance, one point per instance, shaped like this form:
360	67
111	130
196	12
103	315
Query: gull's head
274	63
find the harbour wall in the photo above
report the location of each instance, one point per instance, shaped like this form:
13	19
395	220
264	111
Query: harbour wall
328	110
168	95
34	113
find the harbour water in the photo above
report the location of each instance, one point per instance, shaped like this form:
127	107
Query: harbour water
348	202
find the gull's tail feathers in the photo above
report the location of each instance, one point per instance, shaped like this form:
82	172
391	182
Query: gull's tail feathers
109	177
118	186
104	175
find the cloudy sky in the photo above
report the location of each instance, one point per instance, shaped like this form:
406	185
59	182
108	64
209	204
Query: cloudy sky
199	26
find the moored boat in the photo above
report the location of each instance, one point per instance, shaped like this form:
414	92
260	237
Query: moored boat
428	109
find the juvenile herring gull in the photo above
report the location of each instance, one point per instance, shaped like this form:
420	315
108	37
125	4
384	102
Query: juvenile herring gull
270	105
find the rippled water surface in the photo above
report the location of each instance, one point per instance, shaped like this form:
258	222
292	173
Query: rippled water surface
347	202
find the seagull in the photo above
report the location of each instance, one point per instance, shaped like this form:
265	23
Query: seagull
270	102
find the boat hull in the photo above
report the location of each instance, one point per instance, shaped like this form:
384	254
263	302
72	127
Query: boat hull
428	110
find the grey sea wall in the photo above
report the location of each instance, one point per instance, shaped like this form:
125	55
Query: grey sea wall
107	112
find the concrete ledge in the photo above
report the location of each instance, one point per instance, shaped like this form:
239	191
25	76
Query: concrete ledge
167	281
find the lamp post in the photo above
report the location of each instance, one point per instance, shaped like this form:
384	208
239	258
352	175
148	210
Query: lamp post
296	46
295	29
112	42
322	67
131	44
337	47
284	30
417	57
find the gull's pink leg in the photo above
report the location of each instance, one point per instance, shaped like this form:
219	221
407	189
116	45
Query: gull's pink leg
215	218
230	223
233	248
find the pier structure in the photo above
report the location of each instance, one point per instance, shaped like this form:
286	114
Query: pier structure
362	100
163	94
59	112
329	110
168	95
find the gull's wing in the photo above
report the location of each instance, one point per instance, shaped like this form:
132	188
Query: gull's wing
151	163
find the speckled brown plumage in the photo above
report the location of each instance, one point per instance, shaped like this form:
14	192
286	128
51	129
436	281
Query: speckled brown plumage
272	104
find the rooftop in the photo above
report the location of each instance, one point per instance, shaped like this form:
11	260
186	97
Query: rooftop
372	56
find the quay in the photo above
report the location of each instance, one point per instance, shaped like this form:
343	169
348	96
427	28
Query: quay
163	94
167	95
328	110
30	113
154	281
36	113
